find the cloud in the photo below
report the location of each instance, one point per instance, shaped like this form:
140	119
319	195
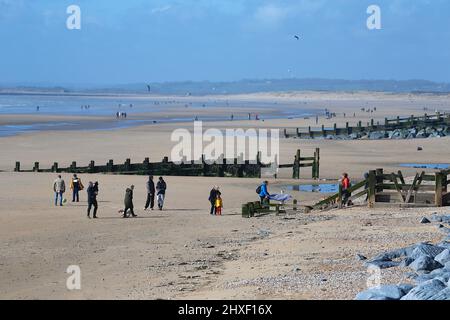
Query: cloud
270	15
161	9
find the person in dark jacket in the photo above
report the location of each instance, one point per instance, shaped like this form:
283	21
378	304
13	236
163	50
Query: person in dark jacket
161	187
150	194
212	199
92	192
129	202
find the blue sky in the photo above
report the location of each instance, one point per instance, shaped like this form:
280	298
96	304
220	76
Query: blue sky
221	40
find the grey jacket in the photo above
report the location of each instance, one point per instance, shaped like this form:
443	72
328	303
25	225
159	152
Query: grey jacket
59	185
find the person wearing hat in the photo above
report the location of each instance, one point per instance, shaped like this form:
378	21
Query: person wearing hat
129	202
212	199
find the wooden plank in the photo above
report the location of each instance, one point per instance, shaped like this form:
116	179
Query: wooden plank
412	187
398	188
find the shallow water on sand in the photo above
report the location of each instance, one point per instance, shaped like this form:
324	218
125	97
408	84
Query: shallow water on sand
437	166
109	106
320	188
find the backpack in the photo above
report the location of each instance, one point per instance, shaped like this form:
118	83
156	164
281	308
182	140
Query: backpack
258	190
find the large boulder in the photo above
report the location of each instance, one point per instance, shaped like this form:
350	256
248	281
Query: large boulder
425	291
382	264
376	135
441	295
425	263
395	254
385	292
426	249
443	257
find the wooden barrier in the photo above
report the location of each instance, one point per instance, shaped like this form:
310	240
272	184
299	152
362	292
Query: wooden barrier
419	122
237	167
392	189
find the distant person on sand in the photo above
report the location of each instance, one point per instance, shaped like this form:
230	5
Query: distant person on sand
129	202
212	198
76	185
345	183
263	192
161	187
150	193
59	187
218	205
92	192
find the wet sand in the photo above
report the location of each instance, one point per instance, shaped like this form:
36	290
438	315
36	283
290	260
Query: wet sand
183	252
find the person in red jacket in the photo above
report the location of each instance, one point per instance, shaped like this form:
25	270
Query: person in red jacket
345	182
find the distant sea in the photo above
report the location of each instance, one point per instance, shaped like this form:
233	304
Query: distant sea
108	106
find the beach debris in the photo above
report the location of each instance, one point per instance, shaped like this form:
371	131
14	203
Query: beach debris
264	233
360	257
425	220
419	149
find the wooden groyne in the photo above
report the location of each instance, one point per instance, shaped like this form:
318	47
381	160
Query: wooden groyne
237	167
420	122
380	188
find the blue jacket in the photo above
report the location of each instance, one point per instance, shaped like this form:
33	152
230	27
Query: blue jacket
264	192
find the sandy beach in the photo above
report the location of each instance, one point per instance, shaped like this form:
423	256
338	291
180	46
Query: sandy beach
183	252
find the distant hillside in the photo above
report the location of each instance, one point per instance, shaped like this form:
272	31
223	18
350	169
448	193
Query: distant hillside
252	86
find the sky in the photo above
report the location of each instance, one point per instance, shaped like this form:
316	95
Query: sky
137	41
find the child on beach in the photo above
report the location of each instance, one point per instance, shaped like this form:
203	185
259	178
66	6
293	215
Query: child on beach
219	205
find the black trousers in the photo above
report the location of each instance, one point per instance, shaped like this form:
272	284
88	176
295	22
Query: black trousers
131	208
92	203
345	196
150	200
213	207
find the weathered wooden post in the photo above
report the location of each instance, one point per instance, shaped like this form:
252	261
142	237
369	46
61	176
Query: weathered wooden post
438	191
110	166
146	164
296	167
372	123
379	179
294	205
347	128
372	182
316	164
92	166
285	133
36	167
55	167
165	160
335	129
298	132
398	120
386	122
323	131
17	168
359	125
339	199
127	165
73	166
310	132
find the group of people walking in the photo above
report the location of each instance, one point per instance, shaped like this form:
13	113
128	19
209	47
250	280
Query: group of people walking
59	187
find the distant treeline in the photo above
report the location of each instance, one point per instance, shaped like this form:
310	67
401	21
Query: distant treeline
252	86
